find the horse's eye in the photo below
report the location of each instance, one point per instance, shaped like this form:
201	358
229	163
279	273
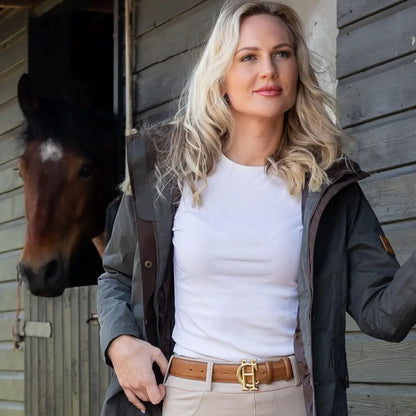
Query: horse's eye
85	171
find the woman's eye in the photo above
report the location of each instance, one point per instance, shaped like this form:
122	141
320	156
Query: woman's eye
282	54
248	58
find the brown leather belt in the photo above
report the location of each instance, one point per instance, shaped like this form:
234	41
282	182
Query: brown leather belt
248	373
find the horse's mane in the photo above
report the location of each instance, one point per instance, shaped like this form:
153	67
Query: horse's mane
86	131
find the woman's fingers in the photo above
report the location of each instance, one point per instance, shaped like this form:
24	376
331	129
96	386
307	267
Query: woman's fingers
161	361
132	398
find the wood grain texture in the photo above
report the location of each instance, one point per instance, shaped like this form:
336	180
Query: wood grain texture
6	334
385	143
71	379
358	45
185	32
12	388
10	116
12	24
12	235
374	361
9	177
13	53
12	208
163	82
8	263
10	147
392	194
149	14
11	409
9	81
372	94
12	360
351	10
8	297
385	400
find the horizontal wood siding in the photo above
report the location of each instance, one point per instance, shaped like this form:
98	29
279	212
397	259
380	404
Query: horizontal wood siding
66	372
168	37
376	68
13	56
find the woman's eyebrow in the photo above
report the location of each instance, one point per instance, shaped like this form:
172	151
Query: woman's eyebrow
255	48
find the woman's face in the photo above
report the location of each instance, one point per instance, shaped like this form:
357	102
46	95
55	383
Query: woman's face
262	79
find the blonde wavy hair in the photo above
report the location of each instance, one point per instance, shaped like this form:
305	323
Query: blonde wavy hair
310	143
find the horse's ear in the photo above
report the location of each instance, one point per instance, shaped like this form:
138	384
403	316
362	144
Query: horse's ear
28	98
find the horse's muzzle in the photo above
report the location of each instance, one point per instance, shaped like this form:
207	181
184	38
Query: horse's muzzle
46	281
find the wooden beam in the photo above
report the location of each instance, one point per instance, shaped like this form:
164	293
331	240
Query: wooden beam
19	3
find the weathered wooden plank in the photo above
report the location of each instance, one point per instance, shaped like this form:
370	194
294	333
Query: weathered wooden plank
12	360
375	361
11	409
12	235
42	359
9	81
12	24
8	297
75	356
9	177
372	94
159	113
148	14
384	143
10	116
350	10
163	82
12	388
10	146
8	262
12	208
35	388
402	237
60	386
392	197
51	356
6	326
171	38
67	353
373	400
358	45
84	346
13	53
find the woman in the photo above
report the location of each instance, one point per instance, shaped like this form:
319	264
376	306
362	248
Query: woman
245	242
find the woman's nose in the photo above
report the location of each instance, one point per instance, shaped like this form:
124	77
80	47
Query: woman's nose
269	68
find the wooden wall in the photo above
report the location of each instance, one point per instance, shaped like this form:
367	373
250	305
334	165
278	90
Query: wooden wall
167	40
376	68
13	55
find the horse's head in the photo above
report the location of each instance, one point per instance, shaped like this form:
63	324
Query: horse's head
63	172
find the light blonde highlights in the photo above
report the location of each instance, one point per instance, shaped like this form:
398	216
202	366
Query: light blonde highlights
311	141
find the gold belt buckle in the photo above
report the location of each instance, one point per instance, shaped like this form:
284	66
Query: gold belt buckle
244	373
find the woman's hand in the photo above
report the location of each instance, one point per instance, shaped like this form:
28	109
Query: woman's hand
133	360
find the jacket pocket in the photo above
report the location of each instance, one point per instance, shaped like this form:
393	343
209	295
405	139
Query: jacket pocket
339	363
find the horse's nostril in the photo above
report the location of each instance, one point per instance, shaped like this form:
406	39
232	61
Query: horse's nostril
51	269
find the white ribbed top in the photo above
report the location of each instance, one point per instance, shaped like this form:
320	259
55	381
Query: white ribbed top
236	261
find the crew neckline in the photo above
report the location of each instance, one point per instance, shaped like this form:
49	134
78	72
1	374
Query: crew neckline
230	162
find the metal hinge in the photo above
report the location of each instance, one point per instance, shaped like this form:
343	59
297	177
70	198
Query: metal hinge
32	329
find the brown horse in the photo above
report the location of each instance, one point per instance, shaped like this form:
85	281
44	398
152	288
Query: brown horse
68	178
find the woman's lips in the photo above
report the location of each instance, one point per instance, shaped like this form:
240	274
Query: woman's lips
269	91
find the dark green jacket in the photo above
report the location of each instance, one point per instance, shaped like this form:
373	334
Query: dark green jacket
344	268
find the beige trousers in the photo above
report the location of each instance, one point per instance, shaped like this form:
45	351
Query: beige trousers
206	398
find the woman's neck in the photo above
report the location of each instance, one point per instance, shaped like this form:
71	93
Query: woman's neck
251	142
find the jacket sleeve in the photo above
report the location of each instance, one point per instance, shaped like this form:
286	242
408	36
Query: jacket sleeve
114	292
382	295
